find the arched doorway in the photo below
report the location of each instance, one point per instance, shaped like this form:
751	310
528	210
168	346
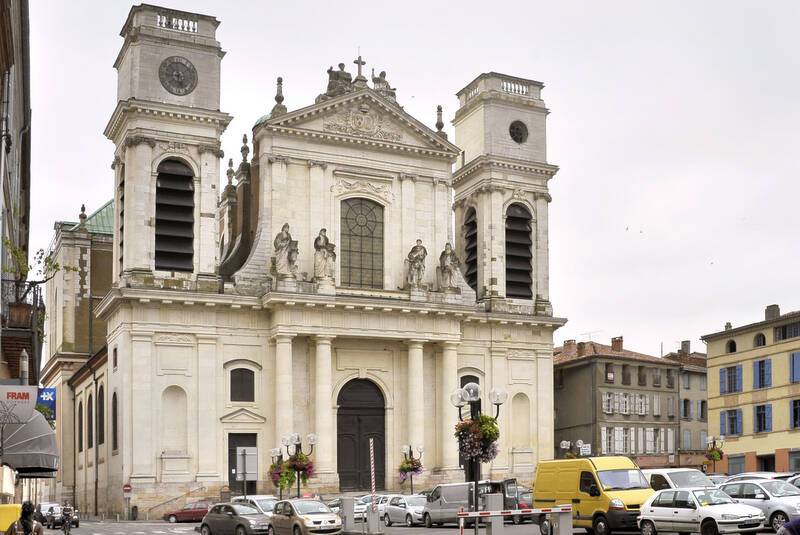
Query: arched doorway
361	416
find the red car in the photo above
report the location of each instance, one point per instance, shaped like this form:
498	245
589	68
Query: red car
191	512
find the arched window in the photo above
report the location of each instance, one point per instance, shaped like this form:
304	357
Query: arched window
80	426
114	420
89	423
519	270
361	243
174	217
471	248
243	385
760	340
101	416
731	346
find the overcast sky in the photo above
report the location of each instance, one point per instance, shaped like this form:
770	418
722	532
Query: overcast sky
675	125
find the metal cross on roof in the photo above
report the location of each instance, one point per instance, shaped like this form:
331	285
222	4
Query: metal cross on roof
360	62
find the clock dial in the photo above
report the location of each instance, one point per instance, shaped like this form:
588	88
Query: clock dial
178	75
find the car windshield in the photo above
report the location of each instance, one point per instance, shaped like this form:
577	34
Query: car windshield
779	489
245	509
416	501
366	499
623	479
311	508
266	505
690	478
712	497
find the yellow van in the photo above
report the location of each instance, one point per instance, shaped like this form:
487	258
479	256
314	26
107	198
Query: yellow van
605	492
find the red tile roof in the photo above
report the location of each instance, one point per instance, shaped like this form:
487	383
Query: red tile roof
569	353
692	359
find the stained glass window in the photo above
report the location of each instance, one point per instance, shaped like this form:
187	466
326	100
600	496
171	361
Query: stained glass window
361	243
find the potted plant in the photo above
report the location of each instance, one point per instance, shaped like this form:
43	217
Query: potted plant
478	438
409	467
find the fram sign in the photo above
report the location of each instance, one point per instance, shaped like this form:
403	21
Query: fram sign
17	403
18	396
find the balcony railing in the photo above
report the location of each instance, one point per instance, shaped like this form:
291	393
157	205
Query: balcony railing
176	23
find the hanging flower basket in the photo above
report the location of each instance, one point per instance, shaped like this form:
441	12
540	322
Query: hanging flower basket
298	465
477	439
275	473
714	454
409	466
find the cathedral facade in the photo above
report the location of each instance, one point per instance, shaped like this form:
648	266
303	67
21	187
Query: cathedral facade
353	269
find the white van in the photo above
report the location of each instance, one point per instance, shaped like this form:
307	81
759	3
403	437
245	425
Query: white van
677	478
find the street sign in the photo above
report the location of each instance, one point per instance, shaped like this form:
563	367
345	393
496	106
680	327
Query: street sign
586	449
47	397
246	464
17	403
127	490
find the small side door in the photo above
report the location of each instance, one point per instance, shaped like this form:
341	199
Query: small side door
214	518
752	494
587	502
277	518
685	518
662	511
433	505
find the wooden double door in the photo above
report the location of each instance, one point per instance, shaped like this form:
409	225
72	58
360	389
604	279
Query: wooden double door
361	417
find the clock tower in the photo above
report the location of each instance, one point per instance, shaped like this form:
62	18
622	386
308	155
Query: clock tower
166	128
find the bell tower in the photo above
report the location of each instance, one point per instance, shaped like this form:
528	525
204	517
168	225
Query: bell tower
166	129
501	191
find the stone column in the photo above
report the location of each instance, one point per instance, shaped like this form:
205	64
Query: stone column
284	407
323	418
143	406
415	395
448	445
544	407
542	252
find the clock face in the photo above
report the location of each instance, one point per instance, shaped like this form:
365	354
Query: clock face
178	75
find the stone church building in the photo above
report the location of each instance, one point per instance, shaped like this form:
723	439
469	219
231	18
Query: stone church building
353	269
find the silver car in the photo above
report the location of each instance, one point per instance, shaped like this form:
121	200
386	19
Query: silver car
760	475
405	509
779	500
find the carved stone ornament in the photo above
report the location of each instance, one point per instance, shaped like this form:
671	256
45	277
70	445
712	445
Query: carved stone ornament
174	146
361	122
519	195
346	186
216	151
132	141
177	75
173	338
116	162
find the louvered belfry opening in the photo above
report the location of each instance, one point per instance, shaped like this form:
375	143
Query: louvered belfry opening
174	217
519	255
471	248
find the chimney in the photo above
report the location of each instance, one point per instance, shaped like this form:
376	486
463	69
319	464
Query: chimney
772	312
616	343
23	368
581	349
686	347
569	347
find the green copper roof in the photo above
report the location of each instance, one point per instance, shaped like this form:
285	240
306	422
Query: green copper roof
101	221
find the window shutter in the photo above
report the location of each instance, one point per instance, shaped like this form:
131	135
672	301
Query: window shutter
691	410
723	416
603	442
769	417
738	377
618	440
670	441
663	440
616	401
656	405
756	382
723	381
646	404
768	372
738	430
795	367
755	419
640	439
632	440
699	410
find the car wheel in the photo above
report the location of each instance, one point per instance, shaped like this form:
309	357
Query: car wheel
709	527
778	519
205	530
600	526
544	527
240	530
172	519
270	531
409	521
516	520
428	523
648	528
296	531
386	520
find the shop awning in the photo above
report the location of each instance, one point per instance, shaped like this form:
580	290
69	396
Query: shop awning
30	448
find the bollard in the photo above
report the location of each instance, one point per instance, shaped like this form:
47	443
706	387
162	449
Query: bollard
493	502
348	514
561	523
374	525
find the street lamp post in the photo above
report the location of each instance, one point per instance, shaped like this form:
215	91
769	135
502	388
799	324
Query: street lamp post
713	444
471	393
408	453
277	458
296	442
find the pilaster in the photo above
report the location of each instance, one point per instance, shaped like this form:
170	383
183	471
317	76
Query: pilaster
284	403
323	402
142	408
208	428
448	445
415	395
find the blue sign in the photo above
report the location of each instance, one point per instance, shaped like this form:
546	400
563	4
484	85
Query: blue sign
47	397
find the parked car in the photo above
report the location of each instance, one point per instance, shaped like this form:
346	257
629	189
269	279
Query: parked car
446	500
54	517
383	501
303	517
526	502
191	512
234	518
779	500
335	505
673	478
718	479
407	509
760	475
606	493
265	503
40	514
794	481
707	511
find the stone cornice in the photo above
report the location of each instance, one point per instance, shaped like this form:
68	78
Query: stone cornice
485	162
215	150
162	111
515	100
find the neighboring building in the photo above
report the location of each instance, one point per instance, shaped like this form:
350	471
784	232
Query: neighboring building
619	401
224	331
754	393
74	332
692	404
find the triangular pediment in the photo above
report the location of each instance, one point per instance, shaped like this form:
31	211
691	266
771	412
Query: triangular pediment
242	416
363	116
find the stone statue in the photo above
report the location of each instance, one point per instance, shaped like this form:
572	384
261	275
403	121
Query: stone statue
339	82
324	256
416	264
286	252
381	85
448	266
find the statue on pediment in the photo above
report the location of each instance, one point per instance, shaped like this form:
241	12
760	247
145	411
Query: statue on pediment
339	82
286	252
381	86
449	265
324	257
416	265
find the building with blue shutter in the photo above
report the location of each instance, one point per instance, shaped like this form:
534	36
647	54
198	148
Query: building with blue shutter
754	393
692	405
